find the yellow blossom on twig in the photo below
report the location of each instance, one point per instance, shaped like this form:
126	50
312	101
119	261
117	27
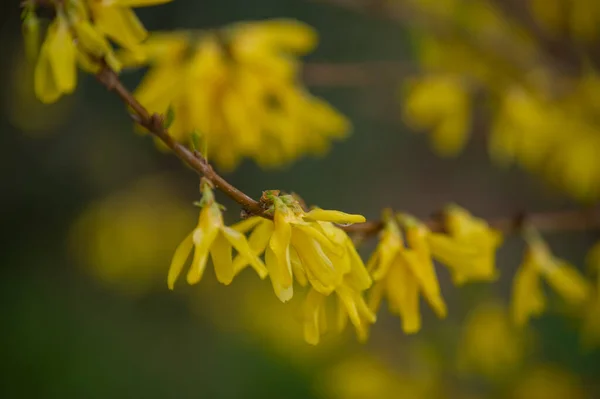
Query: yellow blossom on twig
306	247
538	263
401	273
79	35
468	248
214	238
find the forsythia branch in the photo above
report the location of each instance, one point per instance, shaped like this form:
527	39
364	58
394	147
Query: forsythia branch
570	220
155	124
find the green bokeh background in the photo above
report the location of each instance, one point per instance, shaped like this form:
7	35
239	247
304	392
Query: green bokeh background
66	335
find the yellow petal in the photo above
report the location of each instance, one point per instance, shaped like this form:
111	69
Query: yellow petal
358	278
248	224
334	216
375	295
387	249
278	35
284	292
160	86
313	231
528	298
120	24
239	242
46	89
90	40
358	312
204	236
220	252
421	266
56	71
280	245
315	261
312	309
258	241
297	268
569	283
179	257
403	295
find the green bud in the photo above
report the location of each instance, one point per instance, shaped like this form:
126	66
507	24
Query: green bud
31	35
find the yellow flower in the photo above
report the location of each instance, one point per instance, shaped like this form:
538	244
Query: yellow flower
441	104
212	236
297	246
115	19
308	248
490	345
239	90
528	297
401	273
468	248
122	240
55	72
77	38
363	376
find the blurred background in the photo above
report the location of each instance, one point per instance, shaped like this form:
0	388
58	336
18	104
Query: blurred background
91	213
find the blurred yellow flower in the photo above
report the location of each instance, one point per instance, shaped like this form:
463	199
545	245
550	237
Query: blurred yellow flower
557	139
308	248
490	345
116	20
469	247
401	273
548	382
440	103
253	312
55	73
580	17
238	89
538	262
365	376
212	237
23	107
79	35
125	239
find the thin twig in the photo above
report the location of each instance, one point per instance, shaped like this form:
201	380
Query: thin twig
356	74
547	222
155	124
571	220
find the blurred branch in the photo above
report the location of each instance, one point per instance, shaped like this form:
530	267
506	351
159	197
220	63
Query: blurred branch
485	45
553	221
356	74
558	49
558	221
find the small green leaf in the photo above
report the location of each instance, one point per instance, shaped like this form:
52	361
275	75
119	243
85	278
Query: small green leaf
196	143
169	117
199	143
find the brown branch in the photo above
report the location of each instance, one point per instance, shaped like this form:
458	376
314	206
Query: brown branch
497	50
155	124
356	74
571	220
547	222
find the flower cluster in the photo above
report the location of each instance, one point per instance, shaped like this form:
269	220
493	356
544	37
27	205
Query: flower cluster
238	89
80	35
538	263
299	247
541	118
402	272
